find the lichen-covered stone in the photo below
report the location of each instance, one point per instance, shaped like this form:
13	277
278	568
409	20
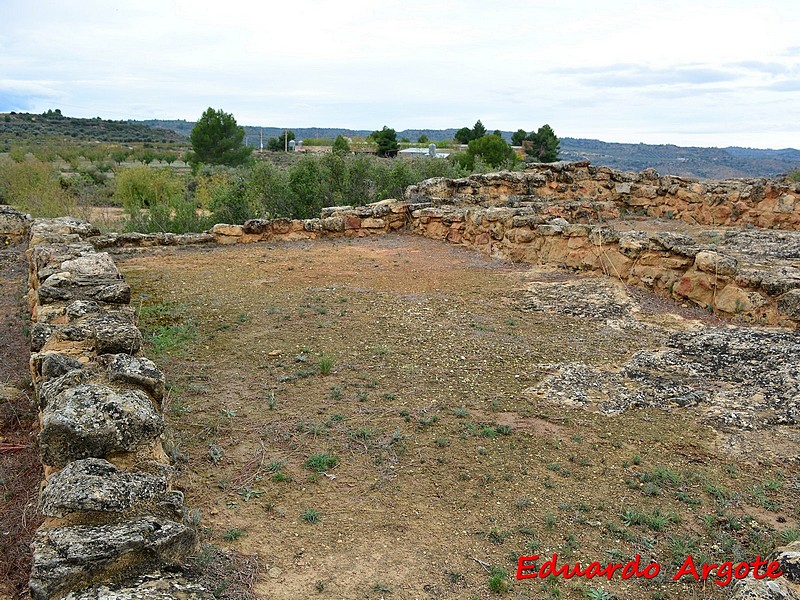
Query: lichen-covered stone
13	223
157	585
65	286
55	365
789	304
789	559
92	420
81	308
764	589
95	484
115	333
60	229
40	334
72	558
677	243
51	388
139	371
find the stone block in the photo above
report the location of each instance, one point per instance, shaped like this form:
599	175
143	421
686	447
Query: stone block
715	263
94	484
70	558
91	420
137	371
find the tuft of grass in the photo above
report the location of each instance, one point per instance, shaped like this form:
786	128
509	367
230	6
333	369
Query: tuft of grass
497	536
321	462
790	535
275	466
173	339
326	363
232	534
523	502
310	515
498	580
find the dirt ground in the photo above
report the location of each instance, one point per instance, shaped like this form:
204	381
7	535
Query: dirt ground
355	413
20	469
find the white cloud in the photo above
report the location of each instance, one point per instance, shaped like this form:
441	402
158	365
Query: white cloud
635	70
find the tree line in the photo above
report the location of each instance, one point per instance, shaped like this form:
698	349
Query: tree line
216	139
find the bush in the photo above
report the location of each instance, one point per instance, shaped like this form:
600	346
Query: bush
225	191
155	201
35	187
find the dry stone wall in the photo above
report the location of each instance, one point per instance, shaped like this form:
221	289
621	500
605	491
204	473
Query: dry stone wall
581	192
111	513
729	273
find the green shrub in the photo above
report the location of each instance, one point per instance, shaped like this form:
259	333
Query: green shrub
155	201
34	186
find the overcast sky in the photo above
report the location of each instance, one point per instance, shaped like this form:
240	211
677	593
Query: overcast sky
692	73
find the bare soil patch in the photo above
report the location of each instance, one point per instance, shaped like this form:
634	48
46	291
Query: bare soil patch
20	469
355	413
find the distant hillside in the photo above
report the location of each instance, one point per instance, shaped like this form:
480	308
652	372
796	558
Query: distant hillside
19	127
703	163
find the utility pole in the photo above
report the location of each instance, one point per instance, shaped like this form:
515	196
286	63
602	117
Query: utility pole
285	140
261	149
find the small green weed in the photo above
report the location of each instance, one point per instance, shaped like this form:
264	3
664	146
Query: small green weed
310	515
326	362
232	534
498	580
321	462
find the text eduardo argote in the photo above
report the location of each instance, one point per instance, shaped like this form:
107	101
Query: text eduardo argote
722	574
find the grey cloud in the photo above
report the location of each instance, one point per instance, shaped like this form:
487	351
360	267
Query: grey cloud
790	85
774	68
638	76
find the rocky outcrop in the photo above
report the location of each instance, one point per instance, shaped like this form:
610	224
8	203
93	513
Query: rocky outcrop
786	587
742	277
734	378
14	225
582	192
111	515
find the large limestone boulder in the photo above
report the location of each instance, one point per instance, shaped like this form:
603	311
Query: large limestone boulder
75	557
91	420
95	484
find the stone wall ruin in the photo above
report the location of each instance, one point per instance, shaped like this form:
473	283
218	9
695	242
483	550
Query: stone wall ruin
731	247
111	513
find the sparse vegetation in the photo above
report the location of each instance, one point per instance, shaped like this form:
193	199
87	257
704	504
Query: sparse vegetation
390	426
321	462
311	515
